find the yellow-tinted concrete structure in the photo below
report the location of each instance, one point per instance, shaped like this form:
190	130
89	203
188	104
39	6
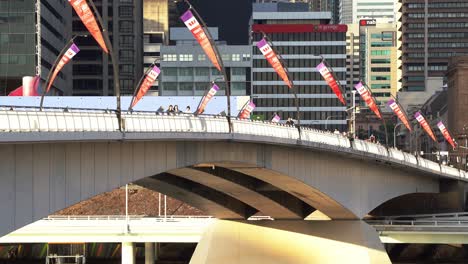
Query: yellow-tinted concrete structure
295	242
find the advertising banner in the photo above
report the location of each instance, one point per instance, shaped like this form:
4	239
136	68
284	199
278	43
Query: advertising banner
146	84
69	54
246	110
276	119
422	121
200	35
446	134
398	110
206	99
274	61
367	97
87	17
331	81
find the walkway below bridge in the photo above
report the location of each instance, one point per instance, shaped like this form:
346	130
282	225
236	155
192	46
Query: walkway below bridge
424	229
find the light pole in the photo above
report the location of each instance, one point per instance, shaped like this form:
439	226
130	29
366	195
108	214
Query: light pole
328	118
353	115
394	134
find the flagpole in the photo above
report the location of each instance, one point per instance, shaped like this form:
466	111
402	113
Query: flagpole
51	71
114	62
220	61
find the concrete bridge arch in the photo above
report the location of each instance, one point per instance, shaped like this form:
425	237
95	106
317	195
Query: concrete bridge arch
38	179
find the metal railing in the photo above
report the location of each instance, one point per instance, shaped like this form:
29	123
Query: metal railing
419	223
23	120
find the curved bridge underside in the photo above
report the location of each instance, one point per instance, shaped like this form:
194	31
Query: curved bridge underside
229	180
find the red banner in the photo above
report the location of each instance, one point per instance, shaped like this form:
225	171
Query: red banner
399	113
86	15
446	134
331	81
146	84
367	97
422	121
274	61
211	93
201	36
69	54
245	112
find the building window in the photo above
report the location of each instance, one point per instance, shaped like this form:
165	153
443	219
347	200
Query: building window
202	71
127	69
170	57
185	57
201	57
126	26
125	11
235	57
225	57
245	57
170	86
185	71
126	41
215	72
238	86
202	86
380	86
169	71
238	71
186	86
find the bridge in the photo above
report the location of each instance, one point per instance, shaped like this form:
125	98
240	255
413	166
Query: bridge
231	170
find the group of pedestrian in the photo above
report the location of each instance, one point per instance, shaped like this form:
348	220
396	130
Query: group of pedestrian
172	110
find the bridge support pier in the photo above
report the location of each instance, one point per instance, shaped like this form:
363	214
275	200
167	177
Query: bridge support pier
149	253
290	241
128	253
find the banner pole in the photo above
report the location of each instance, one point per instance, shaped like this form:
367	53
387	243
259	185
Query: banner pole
114	62
137	89
57	60
293	87
220	61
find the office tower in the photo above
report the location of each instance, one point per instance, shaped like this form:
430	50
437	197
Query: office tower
384	11
187	71
301	37
432	32
92	69
31	37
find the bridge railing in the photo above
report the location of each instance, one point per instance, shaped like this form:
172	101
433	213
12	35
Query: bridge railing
86	120
57	121
151	122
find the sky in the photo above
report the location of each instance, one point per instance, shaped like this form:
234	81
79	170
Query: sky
231	16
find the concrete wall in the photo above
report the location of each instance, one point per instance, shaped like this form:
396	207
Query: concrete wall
39	179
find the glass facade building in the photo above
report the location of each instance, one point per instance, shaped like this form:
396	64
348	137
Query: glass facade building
431	33
32	33
92	69
301	38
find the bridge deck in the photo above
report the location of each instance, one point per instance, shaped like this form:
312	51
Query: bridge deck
26	125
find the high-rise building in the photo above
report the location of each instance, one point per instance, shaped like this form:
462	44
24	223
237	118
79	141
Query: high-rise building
31	37
458	99
301	37
187	71
156	33
92	69
372	58
431	33
384	11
